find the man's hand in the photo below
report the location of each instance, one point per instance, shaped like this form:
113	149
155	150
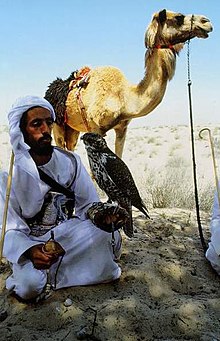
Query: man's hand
104	214
39	258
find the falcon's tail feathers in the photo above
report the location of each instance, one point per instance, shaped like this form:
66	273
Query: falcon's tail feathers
143	209
128	227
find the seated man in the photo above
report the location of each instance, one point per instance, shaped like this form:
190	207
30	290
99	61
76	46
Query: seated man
48	185
213	252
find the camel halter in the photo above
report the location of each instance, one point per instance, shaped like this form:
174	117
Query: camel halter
169	46
204	245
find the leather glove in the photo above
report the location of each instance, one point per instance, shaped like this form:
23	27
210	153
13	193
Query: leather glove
106	216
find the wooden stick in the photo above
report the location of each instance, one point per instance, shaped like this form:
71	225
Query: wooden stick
8	190
213	161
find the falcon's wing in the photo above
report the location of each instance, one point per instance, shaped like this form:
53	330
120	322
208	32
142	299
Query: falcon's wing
119	173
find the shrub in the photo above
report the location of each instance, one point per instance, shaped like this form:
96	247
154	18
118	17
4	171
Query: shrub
173	186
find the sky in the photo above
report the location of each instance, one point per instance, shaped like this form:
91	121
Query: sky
45	39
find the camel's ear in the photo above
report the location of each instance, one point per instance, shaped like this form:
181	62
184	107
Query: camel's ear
151	32
150	35
162	16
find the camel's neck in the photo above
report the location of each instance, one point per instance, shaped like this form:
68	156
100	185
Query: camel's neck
160	66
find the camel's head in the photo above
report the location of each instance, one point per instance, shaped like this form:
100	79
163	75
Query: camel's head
169	28
94	141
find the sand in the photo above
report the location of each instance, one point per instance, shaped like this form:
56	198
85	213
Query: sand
167	291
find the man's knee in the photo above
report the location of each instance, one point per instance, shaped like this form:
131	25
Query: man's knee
32	286
27	283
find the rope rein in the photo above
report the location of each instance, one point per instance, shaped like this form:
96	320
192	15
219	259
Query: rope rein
82	110
204	245
80	81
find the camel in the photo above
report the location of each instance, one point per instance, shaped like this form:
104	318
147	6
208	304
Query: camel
108	100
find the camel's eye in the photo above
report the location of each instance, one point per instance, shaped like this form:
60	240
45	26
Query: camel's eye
180	19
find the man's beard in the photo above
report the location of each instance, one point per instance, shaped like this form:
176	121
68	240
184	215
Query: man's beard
42	146
43	150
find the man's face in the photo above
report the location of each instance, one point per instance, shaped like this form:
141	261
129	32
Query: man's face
37	133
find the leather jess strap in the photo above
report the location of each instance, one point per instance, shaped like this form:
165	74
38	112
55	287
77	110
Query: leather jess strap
55	186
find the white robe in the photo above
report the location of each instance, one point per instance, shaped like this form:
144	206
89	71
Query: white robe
89	256
213	252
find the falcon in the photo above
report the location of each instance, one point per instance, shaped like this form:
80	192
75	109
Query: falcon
113	177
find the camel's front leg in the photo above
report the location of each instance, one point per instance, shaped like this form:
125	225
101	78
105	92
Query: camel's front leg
59	135
71	138
120	135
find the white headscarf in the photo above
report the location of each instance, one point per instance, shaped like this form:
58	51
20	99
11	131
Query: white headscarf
21	105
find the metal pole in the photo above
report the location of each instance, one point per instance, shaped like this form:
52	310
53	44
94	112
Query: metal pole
8	190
